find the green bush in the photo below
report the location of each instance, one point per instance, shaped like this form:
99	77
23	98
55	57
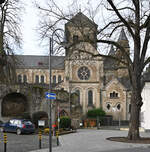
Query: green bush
99	112
65	122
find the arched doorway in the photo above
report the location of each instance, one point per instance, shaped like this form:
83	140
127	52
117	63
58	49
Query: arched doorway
63	113
14	104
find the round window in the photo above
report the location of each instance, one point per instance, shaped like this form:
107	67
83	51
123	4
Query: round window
84	73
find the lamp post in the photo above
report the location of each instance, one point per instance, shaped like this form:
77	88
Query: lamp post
50	87
50	104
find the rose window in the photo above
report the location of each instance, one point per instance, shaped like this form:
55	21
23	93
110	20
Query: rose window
84	73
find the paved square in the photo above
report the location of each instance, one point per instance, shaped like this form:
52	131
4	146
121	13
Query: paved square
88	140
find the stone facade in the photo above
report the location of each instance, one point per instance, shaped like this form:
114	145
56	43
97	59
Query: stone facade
99	82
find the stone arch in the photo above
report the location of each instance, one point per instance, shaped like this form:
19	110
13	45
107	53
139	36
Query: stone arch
14	104
63	113
79	91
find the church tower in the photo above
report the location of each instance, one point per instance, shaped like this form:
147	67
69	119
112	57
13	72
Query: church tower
123	41
80	29
122	70
83	72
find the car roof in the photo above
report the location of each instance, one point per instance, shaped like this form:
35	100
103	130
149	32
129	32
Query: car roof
20	119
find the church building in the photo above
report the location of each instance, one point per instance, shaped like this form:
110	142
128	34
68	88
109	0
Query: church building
99	82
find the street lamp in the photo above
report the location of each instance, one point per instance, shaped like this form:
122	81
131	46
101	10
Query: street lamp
50	87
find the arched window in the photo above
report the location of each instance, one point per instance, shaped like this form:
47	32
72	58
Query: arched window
113	95
118	106
42	78
108	106
75	38
90	97
24	78
78	93
63	113
59	78
19	78
54	79
36	79
129	108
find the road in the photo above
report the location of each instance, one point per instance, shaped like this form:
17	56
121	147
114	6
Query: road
23	143
88	140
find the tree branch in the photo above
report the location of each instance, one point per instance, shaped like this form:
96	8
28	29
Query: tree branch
121	18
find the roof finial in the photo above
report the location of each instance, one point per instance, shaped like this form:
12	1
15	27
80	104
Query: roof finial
80	8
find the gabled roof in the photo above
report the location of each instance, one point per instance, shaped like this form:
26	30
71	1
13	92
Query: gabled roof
124	81
122	36
39	62
81	20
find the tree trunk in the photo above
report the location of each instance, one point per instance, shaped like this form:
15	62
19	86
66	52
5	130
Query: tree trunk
136	103
133	133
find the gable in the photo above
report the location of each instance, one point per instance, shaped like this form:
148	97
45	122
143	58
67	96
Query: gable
115	84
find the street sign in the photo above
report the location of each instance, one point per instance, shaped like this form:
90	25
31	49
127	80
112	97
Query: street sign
41	123
50	95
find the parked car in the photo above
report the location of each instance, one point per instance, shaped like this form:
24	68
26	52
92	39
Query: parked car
1	123
19	126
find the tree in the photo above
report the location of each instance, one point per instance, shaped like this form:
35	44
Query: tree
134	17
2	1
10	37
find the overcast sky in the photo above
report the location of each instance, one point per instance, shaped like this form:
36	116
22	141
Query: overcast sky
31	44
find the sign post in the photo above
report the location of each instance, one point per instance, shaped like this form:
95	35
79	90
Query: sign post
50	96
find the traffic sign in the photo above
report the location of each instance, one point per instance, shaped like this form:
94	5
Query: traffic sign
50	95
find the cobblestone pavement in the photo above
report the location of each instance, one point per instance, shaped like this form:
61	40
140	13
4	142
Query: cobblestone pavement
88	140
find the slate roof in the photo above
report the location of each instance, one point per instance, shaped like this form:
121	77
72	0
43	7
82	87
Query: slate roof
122	36
39	62
125	82
112	51
81	19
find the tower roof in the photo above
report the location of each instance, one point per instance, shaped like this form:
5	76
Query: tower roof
112	51
122	36
80	19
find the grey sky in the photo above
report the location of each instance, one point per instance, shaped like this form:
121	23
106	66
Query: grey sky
30	38
31	44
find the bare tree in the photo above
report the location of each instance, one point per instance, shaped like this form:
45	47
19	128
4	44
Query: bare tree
10	37
134	17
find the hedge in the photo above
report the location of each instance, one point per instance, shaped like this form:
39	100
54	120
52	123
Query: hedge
94	113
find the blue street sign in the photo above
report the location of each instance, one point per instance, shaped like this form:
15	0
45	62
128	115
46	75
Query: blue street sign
50	95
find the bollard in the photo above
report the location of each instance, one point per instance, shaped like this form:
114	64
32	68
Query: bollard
57	137
5	142
40	138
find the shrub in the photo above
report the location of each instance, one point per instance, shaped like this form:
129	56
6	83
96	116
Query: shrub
65	122
99	112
